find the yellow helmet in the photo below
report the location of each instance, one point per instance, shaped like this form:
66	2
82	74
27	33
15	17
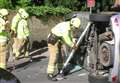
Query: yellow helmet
75	22
3	12
21	10
23	13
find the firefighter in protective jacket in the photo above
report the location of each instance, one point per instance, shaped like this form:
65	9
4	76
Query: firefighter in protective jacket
3	38
20	32
62	32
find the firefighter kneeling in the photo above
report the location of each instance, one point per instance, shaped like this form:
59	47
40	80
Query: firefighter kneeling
62	32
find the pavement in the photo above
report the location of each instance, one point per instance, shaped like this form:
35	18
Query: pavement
35	72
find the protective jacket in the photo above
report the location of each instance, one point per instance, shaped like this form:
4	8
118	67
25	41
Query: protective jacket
23	29
15	21
63	31
3	33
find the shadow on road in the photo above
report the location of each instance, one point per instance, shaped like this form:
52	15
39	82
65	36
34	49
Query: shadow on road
28	63
25	62
7	77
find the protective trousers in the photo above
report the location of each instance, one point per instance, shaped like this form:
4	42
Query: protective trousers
21	46
55	59
15	47
3	55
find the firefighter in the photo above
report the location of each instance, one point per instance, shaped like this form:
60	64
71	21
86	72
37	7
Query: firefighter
62	32
3	38
20	31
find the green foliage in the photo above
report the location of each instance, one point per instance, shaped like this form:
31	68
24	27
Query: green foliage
72	4
23	3
54	7
5	4
46	10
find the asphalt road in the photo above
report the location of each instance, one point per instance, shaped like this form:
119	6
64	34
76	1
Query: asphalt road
35	72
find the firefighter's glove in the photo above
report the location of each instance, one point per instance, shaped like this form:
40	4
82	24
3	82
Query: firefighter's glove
74	46
7	22
74	40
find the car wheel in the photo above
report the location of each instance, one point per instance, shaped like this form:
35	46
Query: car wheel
106	54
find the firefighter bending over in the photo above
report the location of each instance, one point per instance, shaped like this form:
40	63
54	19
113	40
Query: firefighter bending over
20	31
3	38
62	32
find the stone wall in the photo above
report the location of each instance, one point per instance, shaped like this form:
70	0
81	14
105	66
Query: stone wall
40	27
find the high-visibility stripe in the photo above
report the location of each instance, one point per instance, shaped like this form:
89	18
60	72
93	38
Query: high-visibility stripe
2	65
17	54
51	69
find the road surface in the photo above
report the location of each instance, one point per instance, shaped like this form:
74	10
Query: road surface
35	72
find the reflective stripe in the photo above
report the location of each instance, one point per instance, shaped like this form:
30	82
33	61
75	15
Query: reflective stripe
2	65
21	37
50	69
2	41
17	54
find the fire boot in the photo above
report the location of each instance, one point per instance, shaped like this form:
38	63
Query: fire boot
51	77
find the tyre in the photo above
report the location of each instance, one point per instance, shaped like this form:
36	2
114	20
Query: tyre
100	17
106	54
